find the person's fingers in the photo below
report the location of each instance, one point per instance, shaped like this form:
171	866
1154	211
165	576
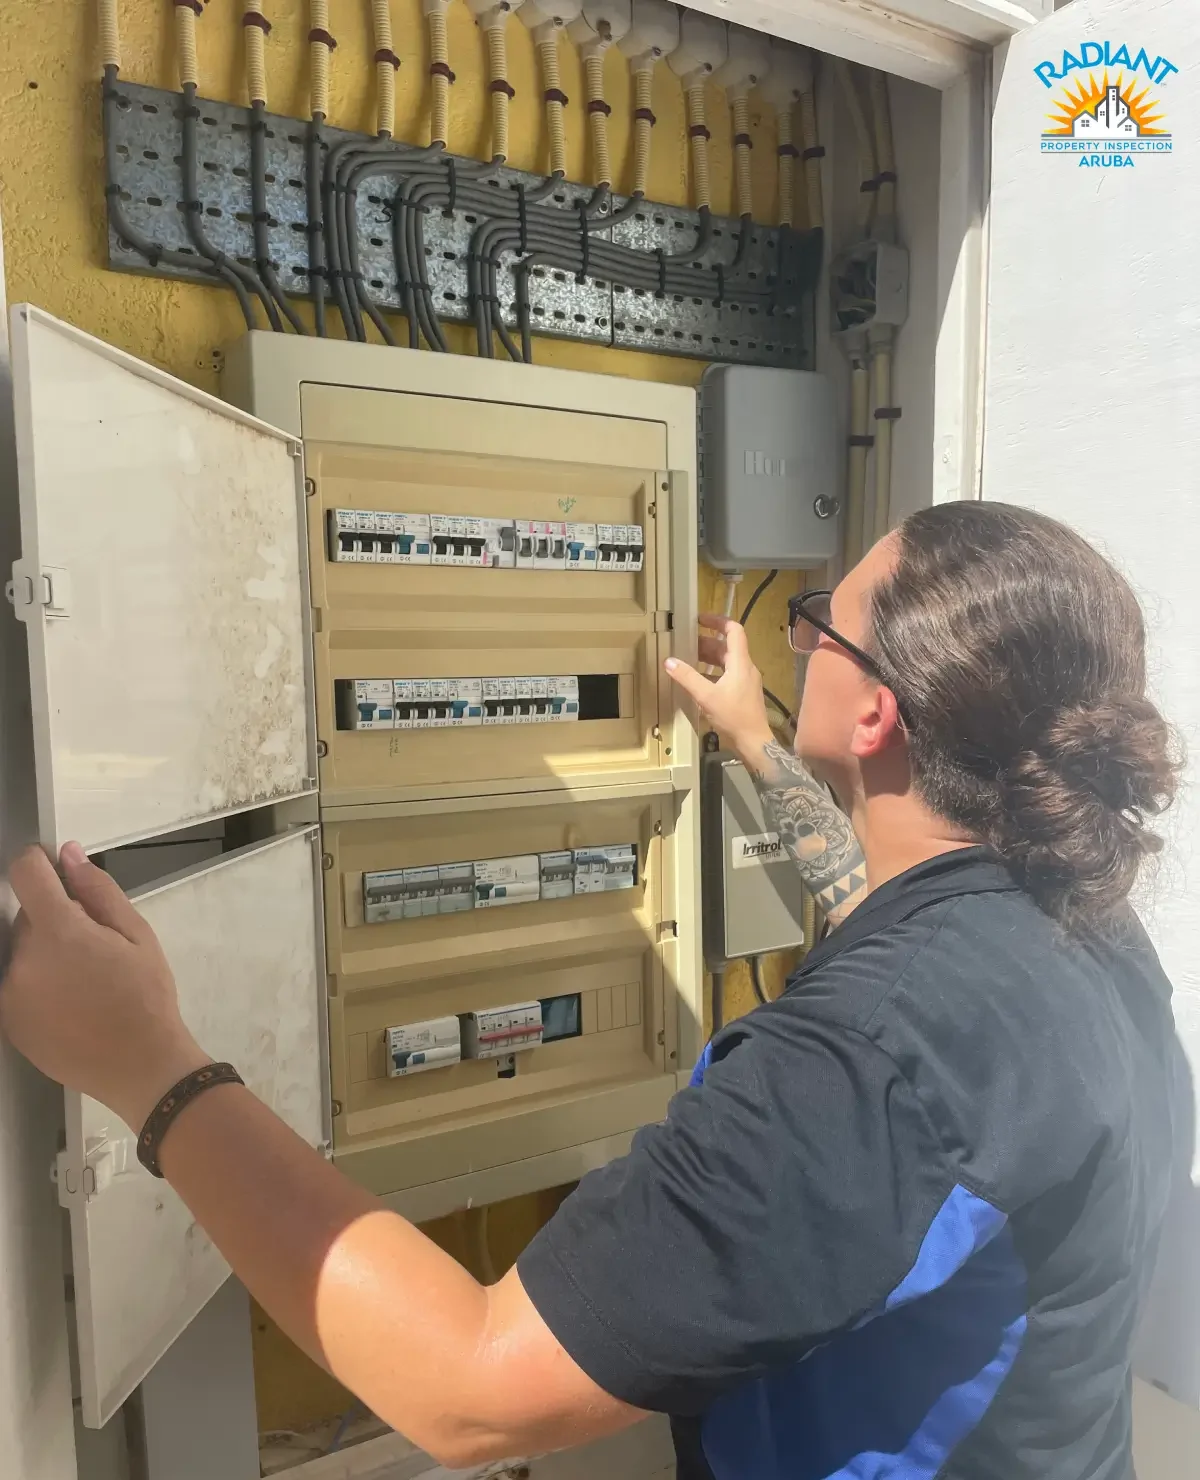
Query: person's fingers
38	888
101	896
692	683
711	650
737	648
716	621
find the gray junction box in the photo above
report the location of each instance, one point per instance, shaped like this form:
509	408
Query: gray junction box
770	468
752	897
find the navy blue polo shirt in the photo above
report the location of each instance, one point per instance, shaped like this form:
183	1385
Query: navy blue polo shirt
901	1224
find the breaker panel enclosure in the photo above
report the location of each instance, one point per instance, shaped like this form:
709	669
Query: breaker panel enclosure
501	559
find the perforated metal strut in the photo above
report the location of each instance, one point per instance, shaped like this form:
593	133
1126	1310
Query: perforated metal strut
759	312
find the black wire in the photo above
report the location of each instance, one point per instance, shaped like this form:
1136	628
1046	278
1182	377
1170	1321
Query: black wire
718	1001
238	277
778	703
261	220
757	592
756	980
152	251
314	148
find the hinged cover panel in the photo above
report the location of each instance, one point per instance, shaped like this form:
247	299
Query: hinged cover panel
244	939
162	582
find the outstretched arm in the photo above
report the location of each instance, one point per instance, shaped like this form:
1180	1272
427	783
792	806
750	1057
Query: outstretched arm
813	828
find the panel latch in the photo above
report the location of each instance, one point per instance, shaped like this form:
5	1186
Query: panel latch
664	621
49	587
102	1161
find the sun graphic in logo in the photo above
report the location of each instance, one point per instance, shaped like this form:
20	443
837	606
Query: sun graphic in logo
1088	94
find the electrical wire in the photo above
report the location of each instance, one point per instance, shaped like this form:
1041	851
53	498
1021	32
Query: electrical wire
553	98
757	980
866	143
320	51
643	126
755	595
785	153
812	156
598	112
233	273
699	136
743	143
441	78
494	26
717	1000
256	28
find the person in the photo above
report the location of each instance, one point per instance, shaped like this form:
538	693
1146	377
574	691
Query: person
902	1222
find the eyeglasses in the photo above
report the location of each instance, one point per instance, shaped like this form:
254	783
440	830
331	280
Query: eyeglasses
809	617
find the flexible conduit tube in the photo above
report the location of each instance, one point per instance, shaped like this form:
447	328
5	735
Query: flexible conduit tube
387	64
555	100
185	43
812	158
127	233
885	180
499	86
256	28
785	149
440	75
881	394
866	144
699	136
742	145
643	127
860	442
598	111
320	44
110	35
233	273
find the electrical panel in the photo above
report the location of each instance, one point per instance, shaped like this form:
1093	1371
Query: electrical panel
752	894
507	786
770	468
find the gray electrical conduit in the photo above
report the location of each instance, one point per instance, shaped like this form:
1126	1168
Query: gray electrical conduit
152	251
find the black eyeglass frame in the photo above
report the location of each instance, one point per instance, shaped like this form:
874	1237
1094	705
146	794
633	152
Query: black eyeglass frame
798	612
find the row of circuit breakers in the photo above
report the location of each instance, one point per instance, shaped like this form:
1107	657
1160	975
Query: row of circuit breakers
377	537
495	1033
449	888
431	703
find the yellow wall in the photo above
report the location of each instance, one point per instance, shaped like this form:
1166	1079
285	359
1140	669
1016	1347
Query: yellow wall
54	226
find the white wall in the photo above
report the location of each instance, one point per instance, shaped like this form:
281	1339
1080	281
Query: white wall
1166	1436
1092	381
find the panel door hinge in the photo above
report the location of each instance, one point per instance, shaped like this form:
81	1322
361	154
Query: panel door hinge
48	587
668	930
664	621
102	1161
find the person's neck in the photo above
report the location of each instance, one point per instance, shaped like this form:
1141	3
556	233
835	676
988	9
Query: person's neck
897	833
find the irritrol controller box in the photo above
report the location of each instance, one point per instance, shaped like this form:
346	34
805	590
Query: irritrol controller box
751	895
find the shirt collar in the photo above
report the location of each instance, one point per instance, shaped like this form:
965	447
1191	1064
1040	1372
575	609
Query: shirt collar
975	870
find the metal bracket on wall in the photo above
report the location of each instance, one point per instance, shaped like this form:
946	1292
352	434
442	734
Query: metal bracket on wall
760	313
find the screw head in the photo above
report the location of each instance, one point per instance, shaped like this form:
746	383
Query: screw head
322	749
825	507
336	1107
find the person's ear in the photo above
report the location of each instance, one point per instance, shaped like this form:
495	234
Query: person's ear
878	725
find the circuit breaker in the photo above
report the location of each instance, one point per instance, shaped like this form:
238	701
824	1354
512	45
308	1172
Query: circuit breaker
753	897
500	560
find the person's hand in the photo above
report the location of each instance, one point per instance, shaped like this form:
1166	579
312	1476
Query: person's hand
89	997
734	701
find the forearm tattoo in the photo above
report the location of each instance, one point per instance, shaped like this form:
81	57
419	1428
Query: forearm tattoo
814	830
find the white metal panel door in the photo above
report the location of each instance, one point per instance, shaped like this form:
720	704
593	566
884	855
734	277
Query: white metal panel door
1093	378
163	585
243	938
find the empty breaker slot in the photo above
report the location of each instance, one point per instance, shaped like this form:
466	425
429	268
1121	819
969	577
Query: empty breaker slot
380	537
455	703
